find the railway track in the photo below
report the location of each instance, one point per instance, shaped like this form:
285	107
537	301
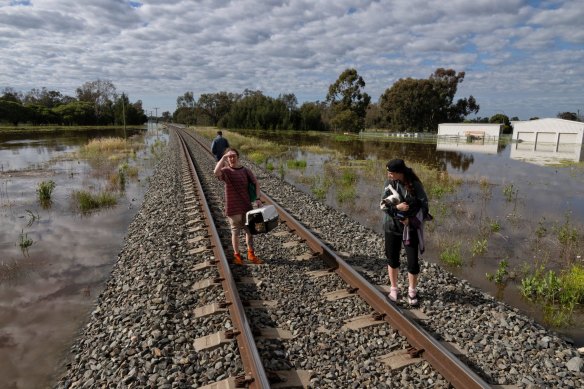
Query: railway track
258	301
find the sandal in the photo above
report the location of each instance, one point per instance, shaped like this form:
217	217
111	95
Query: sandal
412	297
393	294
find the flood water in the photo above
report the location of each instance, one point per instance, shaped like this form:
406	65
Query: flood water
48	289
544	197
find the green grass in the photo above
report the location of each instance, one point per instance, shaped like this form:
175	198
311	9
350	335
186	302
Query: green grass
245	144
87	201
296	164
346	194
479	247
566	233
319	186
499	276
510	192
157	148
451	255
258	157
559	293
24	242
45	190
495	226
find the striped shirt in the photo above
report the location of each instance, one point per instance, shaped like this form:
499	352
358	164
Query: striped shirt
237	201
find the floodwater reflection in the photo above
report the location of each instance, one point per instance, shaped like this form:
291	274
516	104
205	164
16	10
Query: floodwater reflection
547	154
45	296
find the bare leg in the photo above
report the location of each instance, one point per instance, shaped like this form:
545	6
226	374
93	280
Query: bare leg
248	240
393	273
412	280
235	240
412	293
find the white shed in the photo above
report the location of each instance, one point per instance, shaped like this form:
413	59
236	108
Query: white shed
546	140
472	131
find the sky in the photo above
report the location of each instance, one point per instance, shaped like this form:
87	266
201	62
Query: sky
521	58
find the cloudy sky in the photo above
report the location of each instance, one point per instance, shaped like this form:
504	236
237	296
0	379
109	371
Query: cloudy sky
522	58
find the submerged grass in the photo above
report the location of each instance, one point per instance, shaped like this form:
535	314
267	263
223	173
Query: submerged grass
45	190
559	292
451	255
296	164
24	242
87	201
105	146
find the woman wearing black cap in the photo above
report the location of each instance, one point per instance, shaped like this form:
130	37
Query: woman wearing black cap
402	224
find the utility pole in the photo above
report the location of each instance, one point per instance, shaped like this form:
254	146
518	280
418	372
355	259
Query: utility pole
156	110
124	112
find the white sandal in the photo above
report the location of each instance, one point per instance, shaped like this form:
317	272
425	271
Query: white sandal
393	294
412	296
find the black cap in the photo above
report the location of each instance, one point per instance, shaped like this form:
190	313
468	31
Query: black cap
396	166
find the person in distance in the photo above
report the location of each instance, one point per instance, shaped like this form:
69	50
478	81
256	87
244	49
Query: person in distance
403	224
237	201
219	145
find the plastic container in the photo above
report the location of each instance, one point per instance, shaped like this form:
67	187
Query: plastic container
262	220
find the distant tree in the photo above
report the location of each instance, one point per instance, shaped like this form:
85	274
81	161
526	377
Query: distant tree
504	120
311	117
477	119
292	119
43	97
514	119
421	104
348	102
76	113
12	112
9	94
185	101
101	94
534	118
166	117
255	110
409	105
214	106
568	116
134	113
375	117
446	85
39	114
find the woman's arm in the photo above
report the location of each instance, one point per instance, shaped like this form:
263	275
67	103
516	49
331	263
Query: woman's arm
220	165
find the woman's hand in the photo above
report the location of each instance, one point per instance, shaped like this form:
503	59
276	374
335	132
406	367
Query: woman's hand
258	203
403	206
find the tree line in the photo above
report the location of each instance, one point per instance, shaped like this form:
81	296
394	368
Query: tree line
417	105
96	103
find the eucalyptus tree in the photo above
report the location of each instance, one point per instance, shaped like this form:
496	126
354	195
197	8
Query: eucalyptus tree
421	104
214	106
348	102
101	94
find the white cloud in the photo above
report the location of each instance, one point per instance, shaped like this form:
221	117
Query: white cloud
158	50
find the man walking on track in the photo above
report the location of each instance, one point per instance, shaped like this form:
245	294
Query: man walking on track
219	145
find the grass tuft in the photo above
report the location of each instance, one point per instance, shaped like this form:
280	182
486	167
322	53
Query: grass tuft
451	255
45	190
87	201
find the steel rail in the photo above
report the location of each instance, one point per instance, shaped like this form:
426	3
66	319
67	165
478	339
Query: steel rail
440	358
249	353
